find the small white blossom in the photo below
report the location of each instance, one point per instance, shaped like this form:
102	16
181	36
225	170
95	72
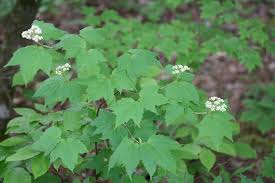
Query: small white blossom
34	33
216	104
62	68
177	69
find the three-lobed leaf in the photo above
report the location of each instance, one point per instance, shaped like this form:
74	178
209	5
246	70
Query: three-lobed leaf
48	140
127	109
68	151
31	59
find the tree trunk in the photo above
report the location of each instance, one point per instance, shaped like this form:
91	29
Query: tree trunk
18	20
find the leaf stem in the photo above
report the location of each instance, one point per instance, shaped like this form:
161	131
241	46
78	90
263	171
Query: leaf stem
43	45
130	133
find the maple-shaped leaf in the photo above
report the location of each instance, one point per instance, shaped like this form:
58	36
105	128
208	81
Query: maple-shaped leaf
31	59
105	125
250	58
72	119
127	109
174	113
121	81
149	98
57	89
100	87
68	151
139	62
210	9
254	29
94	36
158	151
72	44
182	92
213	128
48	140
98	162
127	154
87	63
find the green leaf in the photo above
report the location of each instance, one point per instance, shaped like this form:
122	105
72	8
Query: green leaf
158	151
28	113
182	92
12	141
191	151
254	29
17	175
31	59
227	147
98	162
245	150
126	109
72	44
100	87
22	154
105	124
127	154
48	140
49	31
146	154
40	165
68	151
146	130
267	167
245	179
88	63
210	9
207	158
174	113
17	79
218	179
213	128
138	62
56	89
149	98
94	36
72	119
121	81
48	177
250	58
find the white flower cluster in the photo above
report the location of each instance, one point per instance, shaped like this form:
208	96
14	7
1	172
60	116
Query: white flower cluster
34	33
177	69
62	68
216	104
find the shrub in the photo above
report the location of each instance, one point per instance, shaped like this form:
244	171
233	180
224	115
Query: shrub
114	114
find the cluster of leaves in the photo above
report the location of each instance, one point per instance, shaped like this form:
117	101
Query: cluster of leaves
260	108
114	110
184	40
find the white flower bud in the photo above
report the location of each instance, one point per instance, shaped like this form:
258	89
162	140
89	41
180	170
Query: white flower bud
216	104
177	69
62	68
34	33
